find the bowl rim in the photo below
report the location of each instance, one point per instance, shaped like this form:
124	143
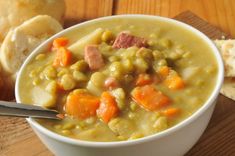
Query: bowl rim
212	98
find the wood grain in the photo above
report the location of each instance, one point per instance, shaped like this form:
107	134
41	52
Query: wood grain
82	10
220	13
17	138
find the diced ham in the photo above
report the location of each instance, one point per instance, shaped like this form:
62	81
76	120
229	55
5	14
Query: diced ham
125	40
93	57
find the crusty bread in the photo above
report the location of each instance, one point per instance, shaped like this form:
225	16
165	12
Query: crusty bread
15	12
227	50
22	40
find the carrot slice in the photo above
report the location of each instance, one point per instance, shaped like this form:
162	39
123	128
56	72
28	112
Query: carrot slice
60	42
171	112
143	79
164	71
108	107
63	57
81	104
150	98
174	82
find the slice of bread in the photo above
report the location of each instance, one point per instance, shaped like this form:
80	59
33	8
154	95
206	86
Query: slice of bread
22	40
15	12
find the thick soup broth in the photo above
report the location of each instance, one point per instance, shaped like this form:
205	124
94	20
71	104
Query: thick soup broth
124	79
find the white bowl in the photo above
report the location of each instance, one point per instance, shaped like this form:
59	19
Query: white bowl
174	141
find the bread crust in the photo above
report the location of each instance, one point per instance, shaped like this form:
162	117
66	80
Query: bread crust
15	12
21	41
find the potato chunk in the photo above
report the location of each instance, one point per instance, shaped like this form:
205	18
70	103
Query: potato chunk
43	98
93	38
122	127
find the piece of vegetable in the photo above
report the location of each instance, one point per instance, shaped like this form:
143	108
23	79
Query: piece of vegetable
150	98
174	82
111	83
108	107
63	57
143	79
43	98
164	71
81	104
93	38
171	112
60	42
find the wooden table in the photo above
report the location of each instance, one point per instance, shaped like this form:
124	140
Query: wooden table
17	138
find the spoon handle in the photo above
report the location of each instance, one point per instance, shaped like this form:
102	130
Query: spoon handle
24	110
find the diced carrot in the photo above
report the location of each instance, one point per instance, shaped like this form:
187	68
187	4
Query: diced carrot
108	107
60	42
81	104
164	71
63	57
111	83
150	98
174	82
143	79
171	112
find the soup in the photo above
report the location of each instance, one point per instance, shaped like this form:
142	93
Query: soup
120	79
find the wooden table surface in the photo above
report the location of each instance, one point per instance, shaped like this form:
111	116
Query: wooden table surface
17	138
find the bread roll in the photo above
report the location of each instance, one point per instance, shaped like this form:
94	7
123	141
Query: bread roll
15	12
22	40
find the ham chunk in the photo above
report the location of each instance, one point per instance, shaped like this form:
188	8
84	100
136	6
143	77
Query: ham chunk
125	40
93	57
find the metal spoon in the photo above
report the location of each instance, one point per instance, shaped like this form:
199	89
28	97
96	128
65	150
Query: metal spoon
24	110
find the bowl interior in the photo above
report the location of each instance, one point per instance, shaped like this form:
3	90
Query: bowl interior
210	100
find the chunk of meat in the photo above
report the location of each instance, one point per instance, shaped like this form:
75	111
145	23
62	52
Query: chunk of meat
93	57
125	40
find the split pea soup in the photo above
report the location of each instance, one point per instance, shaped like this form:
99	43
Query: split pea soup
120	79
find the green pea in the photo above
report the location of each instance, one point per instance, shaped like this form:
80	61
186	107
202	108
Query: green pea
113	58
141	65
68	126
79	76
40	57
33	73
80	65
57	127
131	115
133	106
52	87
136	136
157	55
36	81
66	132
62	72
98	79
50	72
107	36
166	43
68	82
90	120
128	65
